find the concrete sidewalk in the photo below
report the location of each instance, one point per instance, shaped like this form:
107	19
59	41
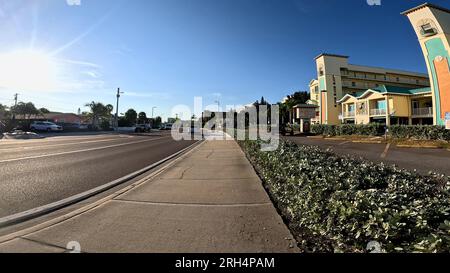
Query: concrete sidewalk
210	200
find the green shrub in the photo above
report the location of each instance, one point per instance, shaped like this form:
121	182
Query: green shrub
336	203
396	131
420	132
373	129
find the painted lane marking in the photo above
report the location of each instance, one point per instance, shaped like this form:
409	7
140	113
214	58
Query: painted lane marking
79	151
36	212
386	150
343	143
14	143
57	145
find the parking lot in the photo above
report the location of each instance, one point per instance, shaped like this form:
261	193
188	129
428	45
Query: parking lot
422	160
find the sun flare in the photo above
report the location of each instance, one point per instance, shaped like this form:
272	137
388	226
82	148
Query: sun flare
27	70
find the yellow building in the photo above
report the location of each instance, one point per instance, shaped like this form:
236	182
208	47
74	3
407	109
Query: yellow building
337	78
390	105
432	26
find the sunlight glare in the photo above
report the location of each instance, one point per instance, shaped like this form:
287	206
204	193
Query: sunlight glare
27	70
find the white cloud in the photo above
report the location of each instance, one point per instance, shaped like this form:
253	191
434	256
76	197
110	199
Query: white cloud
149	95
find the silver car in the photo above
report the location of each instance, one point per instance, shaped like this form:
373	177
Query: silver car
45	126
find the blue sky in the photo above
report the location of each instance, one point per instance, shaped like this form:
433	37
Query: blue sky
164	52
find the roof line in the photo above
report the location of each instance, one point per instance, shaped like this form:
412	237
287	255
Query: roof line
424	6
331	55
392	70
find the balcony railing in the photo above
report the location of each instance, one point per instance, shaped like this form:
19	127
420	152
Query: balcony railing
378	112
423	112
349	114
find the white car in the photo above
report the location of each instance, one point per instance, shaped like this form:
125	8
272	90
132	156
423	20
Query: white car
45	126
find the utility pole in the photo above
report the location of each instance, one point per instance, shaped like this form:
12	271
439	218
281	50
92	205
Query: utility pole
153	111
15	104
116	121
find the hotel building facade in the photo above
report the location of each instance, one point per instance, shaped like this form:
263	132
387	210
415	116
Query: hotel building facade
337	78
347	93
432	26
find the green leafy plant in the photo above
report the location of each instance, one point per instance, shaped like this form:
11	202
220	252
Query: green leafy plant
419	132
340	204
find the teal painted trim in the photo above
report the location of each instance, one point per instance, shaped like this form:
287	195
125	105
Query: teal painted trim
435	47
322	83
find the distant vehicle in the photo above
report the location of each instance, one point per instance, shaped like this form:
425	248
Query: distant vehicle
142	128
167	126
45	126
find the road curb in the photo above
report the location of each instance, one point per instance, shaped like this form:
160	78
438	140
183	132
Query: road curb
417	146
368	141
39	211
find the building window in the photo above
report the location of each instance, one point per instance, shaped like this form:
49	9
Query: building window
321	73
398	79
354	84
417	81
427	30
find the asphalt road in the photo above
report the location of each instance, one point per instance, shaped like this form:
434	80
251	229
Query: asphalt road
38	172
421	160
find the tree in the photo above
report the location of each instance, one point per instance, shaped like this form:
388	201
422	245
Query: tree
98	111
142	117
109	108
131	116
300	97
44	111
25	109
3	110
158	122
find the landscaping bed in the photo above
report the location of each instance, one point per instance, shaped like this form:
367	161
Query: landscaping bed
415	132
339	204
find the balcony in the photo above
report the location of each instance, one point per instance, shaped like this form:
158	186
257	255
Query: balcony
349	114
378	112
422	112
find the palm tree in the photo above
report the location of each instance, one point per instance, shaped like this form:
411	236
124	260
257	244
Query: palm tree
98	110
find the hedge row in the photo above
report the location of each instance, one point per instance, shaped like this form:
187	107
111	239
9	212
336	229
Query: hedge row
339	204
421	132
373	129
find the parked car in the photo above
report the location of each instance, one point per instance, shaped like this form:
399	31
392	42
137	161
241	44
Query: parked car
167	126
45	126
141	128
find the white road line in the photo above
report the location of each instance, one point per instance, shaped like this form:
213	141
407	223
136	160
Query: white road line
56	145
343	143
79	151
36	212
52	139
386	150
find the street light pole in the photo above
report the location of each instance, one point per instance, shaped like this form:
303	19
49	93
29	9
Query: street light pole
117	109
15	105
